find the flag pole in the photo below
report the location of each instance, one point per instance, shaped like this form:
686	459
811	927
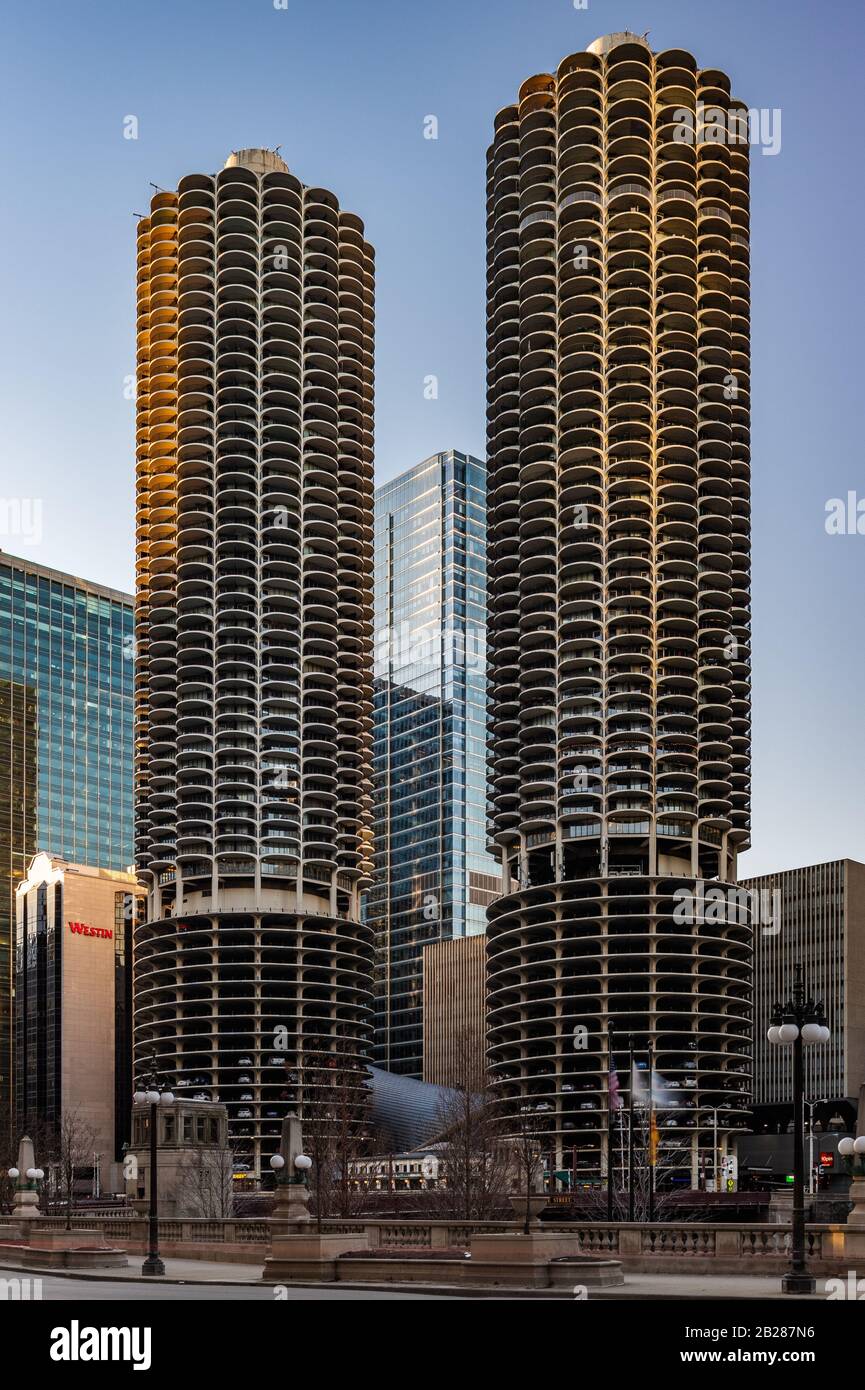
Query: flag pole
611	1129
653	1134
631	1130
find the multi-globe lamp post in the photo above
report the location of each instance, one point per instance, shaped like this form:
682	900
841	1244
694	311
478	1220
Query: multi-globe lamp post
292	1199
852	1151
32	1179
33	1175
302	1163
154	1095
798	1023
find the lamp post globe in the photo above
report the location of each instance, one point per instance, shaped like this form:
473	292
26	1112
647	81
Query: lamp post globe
798	1023
154	1094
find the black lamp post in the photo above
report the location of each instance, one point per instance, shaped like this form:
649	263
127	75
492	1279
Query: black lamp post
154	1096
797	1022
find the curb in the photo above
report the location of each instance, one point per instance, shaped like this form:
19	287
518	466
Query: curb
475	1291
106	1276
440	1290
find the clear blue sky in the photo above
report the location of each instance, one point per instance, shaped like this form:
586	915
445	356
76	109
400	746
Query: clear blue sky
343	86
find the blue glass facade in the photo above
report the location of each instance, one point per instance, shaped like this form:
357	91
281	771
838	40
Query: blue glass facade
432	875
66	739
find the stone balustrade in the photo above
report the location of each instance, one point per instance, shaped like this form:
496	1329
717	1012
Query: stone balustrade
663	1246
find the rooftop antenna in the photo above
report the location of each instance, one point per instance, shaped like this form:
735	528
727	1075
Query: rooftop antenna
138	214
156	186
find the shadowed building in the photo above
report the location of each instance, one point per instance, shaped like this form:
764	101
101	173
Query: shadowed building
619	658
254	630
816	917
65	740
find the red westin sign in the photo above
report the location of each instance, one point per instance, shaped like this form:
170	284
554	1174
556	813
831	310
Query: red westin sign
81	929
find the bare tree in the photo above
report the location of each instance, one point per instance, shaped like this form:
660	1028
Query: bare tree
528	1129
352	1132
8	1156
205	1187
75	1142
671	1157
44	1137
335	1118
472	1150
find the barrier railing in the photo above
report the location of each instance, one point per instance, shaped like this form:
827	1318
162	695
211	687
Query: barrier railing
754	1246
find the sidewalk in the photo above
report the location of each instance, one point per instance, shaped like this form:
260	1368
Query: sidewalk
706	1286
176	1272
636	1286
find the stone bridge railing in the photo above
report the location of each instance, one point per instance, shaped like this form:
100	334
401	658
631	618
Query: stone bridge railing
661	1246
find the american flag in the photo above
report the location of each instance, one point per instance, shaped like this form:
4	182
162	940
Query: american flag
615	1097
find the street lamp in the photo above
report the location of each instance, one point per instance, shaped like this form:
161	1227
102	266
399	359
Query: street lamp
302	1163
155	1095
799	1021
852	1151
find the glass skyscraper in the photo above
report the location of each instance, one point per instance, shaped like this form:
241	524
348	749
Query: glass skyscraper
432	878
66	650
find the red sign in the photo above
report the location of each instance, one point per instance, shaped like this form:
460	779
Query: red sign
828	1160
81	929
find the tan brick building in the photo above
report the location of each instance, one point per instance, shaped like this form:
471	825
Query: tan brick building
454	987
